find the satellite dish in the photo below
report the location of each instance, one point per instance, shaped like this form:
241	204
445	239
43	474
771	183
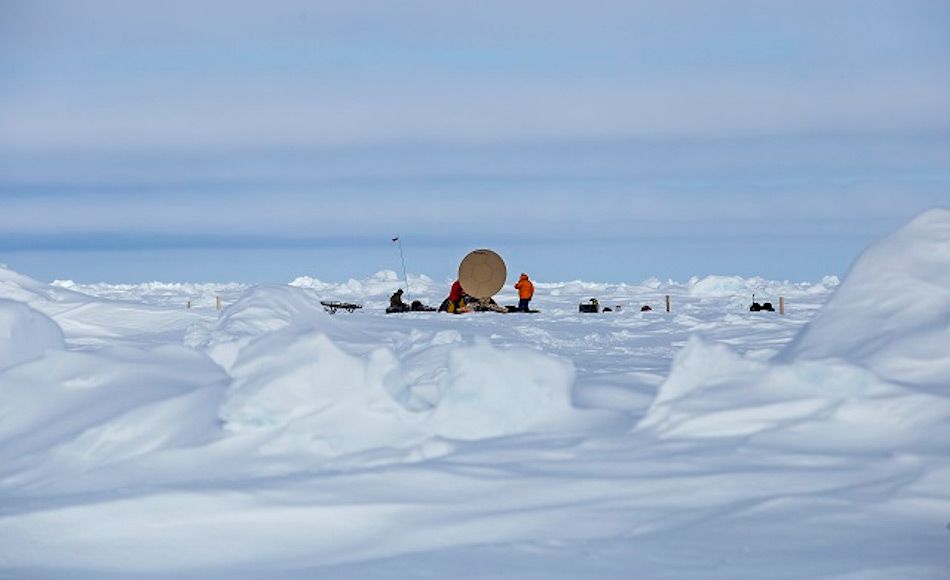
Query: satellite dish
482	274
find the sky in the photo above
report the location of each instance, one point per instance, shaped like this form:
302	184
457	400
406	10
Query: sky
603	140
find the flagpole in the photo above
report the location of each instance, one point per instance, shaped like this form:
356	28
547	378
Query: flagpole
402	259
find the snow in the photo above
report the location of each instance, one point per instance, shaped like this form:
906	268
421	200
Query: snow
893	315
25	334
70	412
140	438
200	294
821	405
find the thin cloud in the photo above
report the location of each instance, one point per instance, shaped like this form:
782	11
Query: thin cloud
329	122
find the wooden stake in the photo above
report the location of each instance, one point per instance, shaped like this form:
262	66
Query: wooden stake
217	302
667	302
781	305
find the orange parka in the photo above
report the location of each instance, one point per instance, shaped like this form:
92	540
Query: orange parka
525	288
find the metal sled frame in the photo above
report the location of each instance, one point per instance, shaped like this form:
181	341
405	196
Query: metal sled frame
332	306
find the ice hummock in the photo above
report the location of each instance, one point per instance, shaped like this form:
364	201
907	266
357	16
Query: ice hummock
291	372
869	373
893	313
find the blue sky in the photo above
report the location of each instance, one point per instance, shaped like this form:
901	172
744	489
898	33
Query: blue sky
599	140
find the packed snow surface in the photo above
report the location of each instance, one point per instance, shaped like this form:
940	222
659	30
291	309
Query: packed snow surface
140	438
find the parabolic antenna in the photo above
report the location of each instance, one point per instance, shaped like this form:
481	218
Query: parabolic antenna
482	273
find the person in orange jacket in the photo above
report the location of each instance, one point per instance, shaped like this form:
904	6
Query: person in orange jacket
525	292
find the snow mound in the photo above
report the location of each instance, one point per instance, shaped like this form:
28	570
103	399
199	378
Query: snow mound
379	286
892	313
808	405
868	373
16	286
25	334
314	396
268	308
259	310
717	286
474	390
78	410
294	376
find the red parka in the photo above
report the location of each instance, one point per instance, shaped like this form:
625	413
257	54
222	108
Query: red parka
455	294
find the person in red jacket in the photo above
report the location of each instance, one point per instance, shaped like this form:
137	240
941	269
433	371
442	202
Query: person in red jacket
455	297
525	292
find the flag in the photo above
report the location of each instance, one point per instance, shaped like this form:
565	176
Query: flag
396	239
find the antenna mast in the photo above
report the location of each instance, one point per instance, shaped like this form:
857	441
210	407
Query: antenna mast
402	260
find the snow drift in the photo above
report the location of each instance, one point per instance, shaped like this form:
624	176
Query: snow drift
293	374
72	412
16	286
892	314
805	405
257	312
853	379
25	334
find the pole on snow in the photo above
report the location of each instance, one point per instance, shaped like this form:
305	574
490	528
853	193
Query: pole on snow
402	259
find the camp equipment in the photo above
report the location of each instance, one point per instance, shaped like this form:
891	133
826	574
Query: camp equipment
332	306
591	306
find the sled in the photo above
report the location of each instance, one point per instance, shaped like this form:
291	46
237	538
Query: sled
512	309
332	306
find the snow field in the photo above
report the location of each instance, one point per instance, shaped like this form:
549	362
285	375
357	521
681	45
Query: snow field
139	438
